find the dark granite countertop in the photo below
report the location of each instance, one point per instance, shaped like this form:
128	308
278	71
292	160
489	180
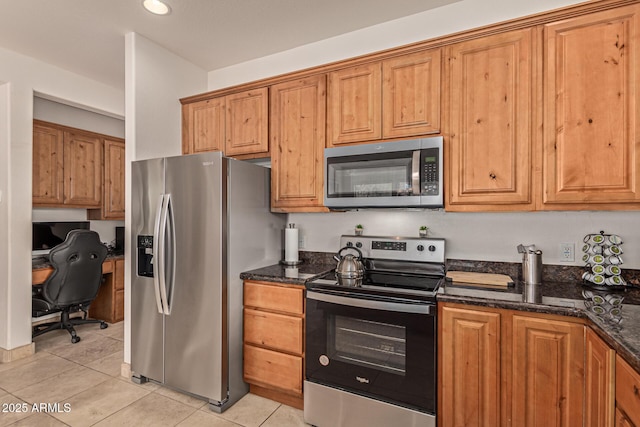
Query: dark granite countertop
620	330
297	275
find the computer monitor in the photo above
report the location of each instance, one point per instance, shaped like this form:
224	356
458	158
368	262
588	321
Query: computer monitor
46	235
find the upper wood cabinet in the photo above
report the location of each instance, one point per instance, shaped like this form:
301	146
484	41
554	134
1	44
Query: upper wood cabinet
48	158
591	112
297	117
236	124
247	125
397	97
67	167
203	126
355	104
491	85
113	185
411	88
470	367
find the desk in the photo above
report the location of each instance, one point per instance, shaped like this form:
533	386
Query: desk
109	304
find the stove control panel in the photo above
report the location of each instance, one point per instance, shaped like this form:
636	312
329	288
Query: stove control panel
397	248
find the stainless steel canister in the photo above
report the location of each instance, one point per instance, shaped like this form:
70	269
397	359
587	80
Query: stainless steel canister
532	267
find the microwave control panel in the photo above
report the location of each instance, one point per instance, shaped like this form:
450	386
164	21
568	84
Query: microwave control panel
429	158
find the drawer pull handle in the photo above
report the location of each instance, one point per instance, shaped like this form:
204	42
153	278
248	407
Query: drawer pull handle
636	391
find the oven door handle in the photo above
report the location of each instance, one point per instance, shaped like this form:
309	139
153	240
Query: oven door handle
371	304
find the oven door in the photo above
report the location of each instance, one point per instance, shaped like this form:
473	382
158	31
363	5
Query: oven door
383	349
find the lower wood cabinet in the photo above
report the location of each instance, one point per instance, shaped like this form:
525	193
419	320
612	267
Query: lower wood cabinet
274	340
109	304
627	394
502	367
599	399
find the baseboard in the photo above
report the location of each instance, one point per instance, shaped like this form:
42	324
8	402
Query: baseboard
125	370
7	356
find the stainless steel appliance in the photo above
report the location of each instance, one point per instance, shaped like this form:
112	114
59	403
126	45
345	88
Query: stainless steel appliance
404	173
371	348
198	221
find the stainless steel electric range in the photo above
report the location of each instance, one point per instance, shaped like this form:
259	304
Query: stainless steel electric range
371	348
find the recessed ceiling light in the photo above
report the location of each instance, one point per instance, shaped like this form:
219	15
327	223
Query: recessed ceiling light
157	7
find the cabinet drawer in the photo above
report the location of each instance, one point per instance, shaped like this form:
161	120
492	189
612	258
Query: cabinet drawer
276	331
107	267
273	297
272	369
628	390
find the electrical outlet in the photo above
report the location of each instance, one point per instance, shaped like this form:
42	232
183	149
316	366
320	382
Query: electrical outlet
567	252
302	241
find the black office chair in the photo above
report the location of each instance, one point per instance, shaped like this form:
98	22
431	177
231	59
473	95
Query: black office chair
74	283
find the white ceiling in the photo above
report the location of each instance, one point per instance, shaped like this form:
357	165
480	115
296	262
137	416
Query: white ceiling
87	36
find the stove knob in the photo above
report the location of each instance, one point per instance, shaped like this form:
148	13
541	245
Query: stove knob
432	248
359	245
420	248
349	244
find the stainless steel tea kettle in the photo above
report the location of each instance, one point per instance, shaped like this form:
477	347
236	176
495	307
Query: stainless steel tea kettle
350	269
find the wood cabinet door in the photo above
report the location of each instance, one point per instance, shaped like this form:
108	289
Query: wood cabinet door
491	84
48	159
599	382
297	139
628	391
203	126
114	185
470	368
591	154
82	169
411	94
547	372
355	105
247	122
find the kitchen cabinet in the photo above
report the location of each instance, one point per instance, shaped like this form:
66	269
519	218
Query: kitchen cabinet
109	303
470	367
203	126
113	184
599	382
503	367
591	112
76	155
236	124
48	160
274	340
297	117
547	379
491	100
355	104
397	97
627	394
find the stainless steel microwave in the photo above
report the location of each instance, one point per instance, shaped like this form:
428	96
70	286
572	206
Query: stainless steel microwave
405	173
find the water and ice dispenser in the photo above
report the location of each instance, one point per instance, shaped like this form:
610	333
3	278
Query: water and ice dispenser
145	256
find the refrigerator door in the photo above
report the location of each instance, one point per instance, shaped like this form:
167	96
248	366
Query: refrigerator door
195	320
147	346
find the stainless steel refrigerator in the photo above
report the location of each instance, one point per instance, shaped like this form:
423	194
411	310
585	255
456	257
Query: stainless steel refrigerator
198	221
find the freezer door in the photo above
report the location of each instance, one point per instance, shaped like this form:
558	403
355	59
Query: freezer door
195	323
147	185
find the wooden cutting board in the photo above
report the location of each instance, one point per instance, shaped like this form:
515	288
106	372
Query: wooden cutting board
480	279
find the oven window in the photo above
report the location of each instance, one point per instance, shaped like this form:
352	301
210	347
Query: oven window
376	345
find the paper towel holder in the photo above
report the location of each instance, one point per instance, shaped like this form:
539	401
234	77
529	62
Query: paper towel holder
286	256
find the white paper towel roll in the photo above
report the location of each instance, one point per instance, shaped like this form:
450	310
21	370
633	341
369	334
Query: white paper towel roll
291	244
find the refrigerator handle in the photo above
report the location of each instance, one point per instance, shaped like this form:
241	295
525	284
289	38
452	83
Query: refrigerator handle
170	247
156	253
162	269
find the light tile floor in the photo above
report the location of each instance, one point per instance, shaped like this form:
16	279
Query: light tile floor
85	379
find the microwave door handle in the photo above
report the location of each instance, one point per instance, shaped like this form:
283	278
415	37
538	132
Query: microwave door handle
415	173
